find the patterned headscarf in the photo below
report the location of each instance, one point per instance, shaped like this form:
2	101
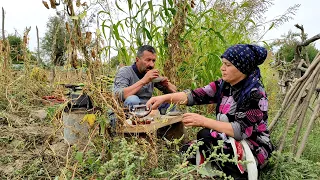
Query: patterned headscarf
245	57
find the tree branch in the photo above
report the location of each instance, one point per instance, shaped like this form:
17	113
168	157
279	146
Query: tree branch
308	41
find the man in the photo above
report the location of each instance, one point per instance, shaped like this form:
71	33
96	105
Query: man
134	84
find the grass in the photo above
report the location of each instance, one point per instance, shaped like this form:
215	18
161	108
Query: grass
285	166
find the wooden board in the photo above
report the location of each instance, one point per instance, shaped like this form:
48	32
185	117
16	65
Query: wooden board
160	122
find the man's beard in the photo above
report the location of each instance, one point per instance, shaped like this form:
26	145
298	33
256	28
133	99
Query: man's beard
147	69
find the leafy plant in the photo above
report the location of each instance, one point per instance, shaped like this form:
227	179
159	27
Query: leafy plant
16	53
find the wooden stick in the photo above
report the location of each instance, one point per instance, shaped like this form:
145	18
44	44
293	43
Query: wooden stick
5	64
291	95
38	48
293	112
315	115
304	108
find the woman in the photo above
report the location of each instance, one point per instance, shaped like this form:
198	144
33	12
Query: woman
241	110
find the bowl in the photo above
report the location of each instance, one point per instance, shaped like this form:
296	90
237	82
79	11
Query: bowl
158	79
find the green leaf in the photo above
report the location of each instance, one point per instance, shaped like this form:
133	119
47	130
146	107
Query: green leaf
266	44
119	7
272	25
138	37
137	5
148	34
116	32
130	5
162	173
150	6
83	14
173	11
103	29
74	17
250	20
204	28
146	12
79	156
143	5
220	36
103	12
245	4
166	12
155	30
203	2
98	32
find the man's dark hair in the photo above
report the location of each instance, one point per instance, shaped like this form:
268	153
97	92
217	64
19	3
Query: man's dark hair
145	48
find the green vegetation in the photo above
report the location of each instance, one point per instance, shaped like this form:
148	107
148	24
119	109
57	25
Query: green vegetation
54	44
287	47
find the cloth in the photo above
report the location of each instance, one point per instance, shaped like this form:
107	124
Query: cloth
245	154
127	76
248	119
245	57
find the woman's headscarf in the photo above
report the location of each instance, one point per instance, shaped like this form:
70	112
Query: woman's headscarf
246	58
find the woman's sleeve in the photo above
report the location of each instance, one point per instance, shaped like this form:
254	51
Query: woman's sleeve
252	116
204	95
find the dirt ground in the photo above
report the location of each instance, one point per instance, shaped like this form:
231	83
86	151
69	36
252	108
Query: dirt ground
30	148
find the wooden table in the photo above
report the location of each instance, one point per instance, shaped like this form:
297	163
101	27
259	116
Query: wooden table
169	127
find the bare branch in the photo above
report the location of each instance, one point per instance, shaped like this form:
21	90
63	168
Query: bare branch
299	27
308	41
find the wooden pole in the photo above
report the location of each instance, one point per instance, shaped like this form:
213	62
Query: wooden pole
3	35
38	48
5	63
314	116
304	106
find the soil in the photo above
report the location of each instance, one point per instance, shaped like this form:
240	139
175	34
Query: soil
30	148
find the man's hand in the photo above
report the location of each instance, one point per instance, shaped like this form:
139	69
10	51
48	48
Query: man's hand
150	75
193	119
164	82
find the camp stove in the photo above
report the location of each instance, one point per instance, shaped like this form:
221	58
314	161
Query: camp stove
140	111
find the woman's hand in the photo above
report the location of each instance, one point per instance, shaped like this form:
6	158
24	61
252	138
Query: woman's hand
155	101
193	119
